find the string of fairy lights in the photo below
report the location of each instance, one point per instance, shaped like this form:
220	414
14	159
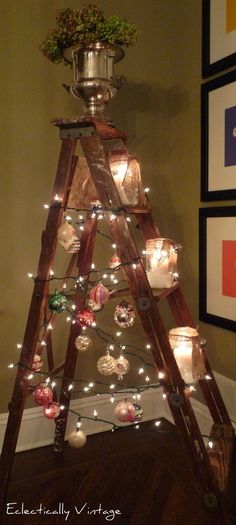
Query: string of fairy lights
44	392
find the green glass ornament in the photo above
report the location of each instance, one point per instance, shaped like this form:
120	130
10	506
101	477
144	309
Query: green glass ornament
57	303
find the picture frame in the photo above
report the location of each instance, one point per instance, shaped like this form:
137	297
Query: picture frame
217	266
218	36
218	138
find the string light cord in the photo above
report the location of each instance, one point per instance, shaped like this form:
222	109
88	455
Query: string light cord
135	424
85	274
136	389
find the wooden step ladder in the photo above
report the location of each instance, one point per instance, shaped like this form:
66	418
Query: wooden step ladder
96	138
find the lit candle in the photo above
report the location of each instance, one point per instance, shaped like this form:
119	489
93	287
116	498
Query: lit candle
126	174
182	341
161	262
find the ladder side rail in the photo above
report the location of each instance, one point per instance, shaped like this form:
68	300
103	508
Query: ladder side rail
182	316
49	240
122	235
84	261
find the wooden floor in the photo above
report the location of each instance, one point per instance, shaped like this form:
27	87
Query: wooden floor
141	474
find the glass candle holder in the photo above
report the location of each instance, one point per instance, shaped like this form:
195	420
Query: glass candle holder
186	345
161	262
126	173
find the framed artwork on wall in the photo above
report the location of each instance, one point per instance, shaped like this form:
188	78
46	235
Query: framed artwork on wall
218	138
217	266
218	36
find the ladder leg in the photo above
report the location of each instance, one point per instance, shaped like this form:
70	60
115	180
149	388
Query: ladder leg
16	405
84	264
182	317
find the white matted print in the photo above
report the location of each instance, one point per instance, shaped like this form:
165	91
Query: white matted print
218	266
219	35
218	138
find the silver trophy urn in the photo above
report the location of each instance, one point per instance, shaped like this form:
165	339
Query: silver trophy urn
94	80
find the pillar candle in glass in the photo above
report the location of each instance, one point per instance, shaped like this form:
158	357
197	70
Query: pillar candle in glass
184	341
126	173
161	262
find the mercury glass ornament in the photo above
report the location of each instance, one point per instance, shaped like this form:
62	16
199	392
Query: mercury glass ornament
100	294
37	363
52	411
122	366
57	303
83	343
77	439
138	412
43	395
66	235
124	314
95	307
75	246
114	262
125	411
86	317
106	365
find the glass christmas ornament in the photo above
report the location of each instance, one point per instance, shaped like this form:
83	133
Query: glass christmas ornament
95	307
43	395
100	294
57	303
37	363
86	317
138	412
122	366
77	438
106	365
125	411
114	262
66	235
126	174
161	262
52	411
75	246
124	314
95	205
186	345
83	343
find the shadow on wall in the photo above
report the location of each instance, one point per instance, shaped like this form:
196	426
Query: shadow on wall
158	101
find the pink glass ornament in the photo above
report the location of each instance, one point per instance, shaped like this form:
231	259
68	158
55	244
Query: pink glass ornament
100	294
86	317
43	395
52	411
125	411
122	366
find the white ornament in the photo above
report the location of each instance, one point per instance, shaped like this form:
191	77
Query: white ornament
77	438
66	235
106	365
